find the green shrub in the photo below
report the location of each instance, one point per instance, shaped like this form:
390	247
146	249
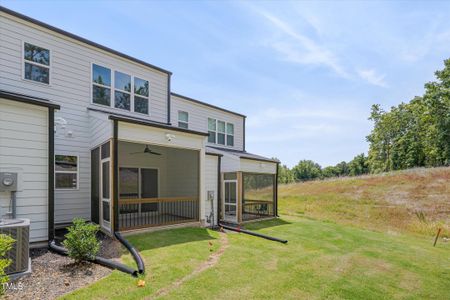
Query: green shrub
81	241
6	243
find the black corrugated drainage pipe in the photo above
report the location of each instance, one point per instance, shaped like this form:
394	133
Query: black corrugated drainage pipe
99	260
238	229
133	251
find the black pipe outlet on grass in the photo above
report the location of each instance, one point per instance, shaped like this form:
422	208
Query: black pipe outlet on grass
267	237
137	257
98	260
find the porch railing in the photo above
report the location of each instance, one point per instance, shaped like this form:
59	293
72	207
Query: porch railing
151	212
256	209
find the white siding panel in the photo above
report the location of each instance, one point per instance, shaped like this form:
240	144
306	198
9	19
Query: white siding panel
101	128
254	166
24	149
211	185
152	135
198	119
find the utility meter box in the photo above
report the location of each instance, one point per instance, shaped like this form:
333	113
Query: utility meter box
8	182
210	195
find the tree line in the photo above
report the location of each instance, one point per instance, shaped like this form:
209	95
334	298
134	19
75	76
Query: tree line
413	134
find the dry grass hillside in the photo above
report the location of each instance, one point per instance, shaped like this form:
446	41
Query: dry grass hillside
411	201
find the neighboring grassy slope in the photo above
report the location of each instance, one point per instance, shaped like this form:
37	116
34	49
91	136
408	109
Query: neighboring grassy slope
322	260
412	201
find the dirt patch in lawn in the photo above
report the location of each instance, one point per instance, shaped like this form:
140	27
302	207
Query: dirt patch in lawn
54	275
213	259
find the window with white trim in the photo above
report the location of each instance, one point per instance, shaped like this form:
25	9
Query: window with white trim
122	90
230	134
101	85
140	95
66	172
36	63
220	132
129	92
183	119
212	130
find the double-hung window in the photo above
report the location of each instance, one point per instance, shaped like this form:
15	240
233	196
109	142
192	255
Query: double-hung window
183	119
66	172
101	85
212	130
36	63
140	95
122	92
119	90
230	134
220	132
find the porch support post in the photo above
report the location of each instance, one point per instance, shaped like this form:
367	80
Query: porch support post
276	191
51	174
240	196
202	189
115	180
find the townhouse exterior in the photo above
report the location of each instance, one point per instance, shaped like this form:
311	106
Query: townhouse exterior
97	134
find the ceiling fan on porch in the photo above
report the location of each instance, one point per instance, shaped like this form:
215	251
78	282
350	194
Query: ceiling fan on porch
147	150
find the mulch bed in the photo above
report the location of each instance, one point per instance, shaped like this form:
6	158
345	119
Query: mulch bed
54	275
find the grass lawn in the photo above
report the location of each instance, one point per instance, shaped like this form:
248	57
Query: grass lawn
322	260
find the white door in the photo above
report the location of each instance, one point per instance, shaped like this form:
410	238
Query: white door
105	187
230	200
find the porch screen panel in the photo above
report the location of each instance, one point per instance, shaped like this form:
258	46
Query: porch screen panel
95	184
258	196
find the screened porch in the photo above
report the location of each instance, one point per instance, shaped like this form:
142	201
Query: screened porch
157	185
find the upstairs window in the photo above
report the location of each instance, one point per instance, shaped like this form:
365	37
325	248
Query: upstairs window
183	119
220	132
212	130
66	172
122	93
140	95
36	63
230	134
119	90
101	85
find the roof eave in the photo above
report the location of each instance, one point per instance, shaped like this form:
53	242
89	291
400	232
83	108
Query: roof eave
81	39
156	125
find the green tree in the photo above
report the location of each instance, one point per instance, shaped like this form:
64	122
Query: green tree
358	165
285	175
413	134
307	170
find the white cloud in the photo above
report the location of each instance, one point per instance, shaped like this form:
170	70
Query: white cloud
372	77
299	48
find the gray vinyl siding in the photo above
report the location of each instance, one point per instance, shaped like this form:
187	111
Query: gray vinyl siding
198	119
24	149
70	87
101	128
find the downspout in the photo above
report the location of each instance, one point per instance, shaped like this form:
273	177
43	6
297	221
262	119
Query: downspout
240	230
219	189
243	142
51	173
98	260
115	176
168	99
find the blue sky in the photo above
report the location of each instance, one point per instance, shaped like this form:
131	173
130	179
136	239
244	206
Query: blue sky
305	73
